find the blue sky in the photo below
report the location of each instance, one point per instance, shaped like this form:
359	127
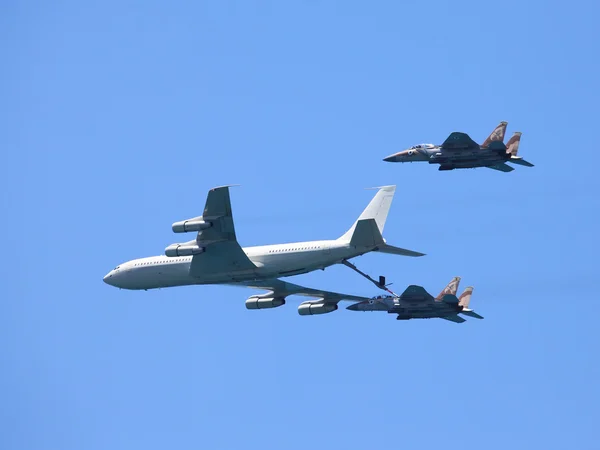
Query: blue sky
117	117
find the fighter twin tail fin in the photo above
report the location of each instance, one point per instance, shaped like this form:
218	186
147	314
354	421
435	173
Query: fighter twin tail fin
450	289
464	300
448	295
512	147
465	297
496	135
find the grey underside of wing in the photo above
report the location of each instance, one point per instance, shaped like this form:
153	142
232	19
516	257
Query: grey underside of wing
222	252
502	167
459	141
218	257
283	288
456	319
218	211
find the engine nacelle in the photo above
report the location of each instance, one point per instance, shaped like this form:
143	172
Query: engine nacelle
174	250
195	224
310	308
263	303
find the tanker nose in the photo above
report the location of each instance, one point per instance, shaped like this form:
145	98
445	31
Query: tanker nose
108	278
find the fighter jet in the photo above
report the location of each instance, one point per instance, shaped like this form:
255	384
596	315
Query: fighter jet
216	257
459	151
416	303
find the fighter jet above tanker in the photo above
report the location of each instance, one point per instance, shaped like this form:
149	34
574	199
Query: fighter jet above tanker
459	151
416	303
216	257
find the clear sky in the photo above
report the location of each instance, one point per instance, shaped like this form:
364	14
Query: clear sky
116	119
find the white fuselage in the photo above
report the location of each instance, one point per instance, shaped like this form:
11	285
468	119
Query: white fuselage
271	261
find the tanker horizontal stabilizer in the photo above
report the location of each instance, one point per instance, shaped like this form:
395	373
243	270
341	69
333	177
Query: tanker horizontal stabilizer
398	251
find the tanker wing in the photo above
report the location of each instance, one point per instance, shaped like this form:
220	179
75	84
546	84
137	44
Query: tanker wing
215	249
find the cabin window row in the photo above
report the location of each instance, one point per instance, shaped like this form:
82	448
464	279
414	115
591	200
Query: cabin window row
294	249
159	262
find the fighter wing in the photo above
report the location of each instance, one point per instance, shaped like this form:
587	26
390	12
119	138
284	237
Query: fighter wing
459	141
456	319
281	288
222	252
502	167
415	293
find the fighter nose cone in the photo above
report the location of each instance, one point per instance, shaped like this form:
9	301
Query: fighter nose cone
353	307
391	158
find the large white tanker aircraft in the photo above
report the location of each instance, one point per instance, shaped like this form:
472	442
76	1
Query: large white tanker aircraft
216	257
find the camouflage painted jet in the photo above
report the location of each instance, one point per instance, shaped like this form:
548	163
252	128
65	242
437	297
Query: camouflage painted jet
416	303
459	151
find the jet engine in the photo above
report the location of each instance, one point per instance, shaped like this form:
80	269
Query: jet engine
311	308
195	224
264	302
174	250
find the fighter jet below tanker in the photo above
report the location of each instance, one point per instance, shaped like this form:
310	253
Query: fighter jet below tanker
416	303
